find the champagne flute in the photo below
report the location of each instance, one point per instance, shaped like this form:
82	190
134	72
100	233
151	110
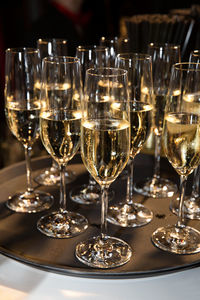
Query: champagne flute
181	143
90	56
22	108
105	149
60	120
51	47
163	57
113	46
192	203
127	213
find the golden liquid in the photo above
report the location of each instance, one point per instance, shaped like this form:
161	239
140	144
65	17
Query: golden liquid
23	123
105	146
141	115
181	141
60	134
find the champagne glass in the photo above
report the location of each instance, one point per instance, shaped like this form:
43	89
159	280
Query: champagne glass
90	56
181	143
60	120
113	46
49	47
192	203
105	147
22	108
127	213
163	57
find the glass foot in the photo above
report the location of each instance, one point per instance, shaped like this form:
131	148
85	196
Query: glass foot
129	215
30	202
88	194
191	207
179	240
105	253
51	177
62	224
159	188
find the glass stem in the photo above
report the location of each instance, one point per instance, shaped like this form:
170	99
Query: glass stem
104	209
183	181
195	186
157	156
54	165
92	182
29	188
63	201
129	187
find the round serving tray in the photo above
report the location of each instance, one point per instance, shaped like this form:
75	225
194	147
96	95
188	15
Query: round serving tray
20	239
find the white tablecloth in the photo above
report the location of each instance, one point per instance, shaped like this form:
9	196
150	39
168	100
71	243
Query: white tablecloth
19	281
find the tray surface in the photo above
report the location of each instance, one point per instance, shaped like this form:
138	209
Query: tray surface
20	239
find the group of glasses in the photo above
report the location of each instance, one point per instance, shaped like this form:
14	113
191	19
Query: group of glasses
107	104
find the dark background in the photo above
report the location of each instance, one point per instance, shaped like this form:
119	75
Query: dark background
22	22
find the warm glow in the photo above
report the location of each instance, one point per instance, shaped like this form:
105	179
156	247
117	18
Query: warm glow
7	293
77	294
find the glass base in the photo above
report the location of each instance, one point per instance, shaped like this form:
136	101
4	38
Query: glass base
156	188
191	207
88	194
62	224
30	202
129	215
51	177
179	240
104	253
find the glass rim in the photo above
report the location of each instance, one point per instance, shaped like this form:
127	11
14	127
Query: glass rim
187	66
22	50
50	40
93	71
64	59
86	48
163	45
109	39
194	52
133	55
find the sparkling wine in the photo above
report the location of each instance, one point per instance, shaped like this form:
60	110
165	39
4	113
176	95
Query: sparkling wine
24	123
181	141
107	149
141	124
60	133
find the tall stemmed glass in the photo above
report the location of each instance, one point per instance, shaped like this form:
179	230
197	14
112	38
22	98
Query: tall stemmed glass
105	149
113	46
127	213
163	58
60	121
50	47
22	108
90	57
181	143
192	203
